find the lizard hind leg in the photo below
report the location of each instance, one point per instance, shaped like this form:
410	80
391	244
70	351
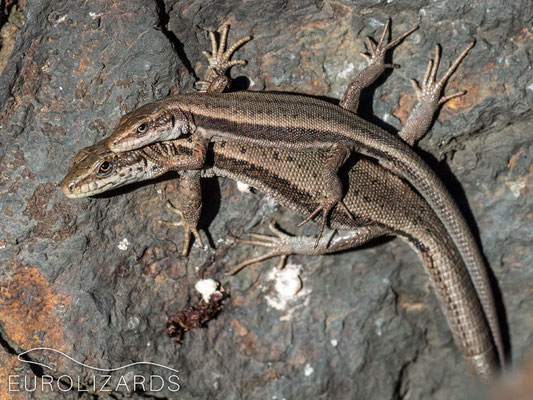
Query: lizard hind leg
333	188
282	245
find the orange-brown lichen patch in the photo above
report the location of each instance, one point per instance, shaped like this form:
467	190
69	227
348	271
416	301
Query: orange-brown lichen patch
26	86
30	310
339	10
332	11
247	341
451	108
126	83
523	35
488	67
472	97
85	57
404	107
521	184
14	11
512	160
83	91
13	160
261	380
410	305
238	301
239	329
11	366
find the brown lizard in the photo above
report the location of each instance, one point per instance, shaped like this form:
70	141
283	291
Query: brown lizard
381	203
299	122
429	102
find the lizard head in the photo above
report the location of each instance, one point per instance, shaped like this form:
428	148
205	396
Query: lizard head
153	122
97	169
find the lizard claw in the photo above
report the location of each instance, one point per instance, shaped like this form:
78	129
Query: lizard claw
280	242
430	97
283	245
325	206
431	90
187	229
375	58
219	59
376	53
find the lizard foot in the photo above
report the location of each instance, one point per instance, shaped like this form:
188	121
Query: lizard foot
219	61
187	229
429	98
283	245
278	242
376	54
325	206
376	66
431	90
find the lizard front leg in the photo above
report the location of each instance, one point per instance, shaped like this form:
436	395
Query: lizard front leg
190	200
284	245
429	98
340	151
216	79
376	66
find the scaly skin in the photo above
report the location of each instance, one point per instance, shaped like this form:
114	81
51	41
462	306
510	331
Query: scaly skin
296	122
163	117
381	203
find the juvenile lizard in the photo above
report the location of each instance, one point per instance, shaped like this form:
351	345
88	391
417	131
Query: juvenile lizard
381	203
296	122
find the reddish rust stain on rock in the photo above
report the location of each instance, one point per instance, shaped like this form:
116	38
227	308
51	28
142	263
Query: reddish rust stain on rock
340	10
49	217
27	174
126	83
12	366
512	160
13	160
248	340
465	102
404	107
156	261
450	108
30	309
82	91
523	36
53	130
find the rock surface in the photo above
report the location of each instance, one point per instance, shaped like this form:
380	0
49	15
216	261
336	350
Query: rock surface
98	278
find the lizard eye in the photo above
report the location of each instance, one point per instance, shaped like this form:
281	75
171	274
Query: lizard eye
141	129
104	169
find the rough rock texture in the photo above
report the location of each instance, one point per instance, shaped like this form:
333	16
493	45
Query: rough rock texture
98	278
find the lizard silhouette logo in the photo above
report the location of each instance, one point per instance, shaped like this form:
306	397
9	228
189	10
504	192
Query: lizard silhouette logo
92	379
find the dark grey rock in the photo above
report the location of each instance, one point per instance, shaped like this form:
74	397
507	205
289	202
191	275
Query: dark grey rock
366	324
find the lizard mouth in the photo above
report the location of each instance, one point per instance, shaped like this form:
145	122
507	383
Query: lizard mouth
121	144
73	191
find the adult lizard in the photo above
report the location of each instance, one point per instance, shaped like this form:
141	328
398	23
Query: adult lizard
289	121
381	203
